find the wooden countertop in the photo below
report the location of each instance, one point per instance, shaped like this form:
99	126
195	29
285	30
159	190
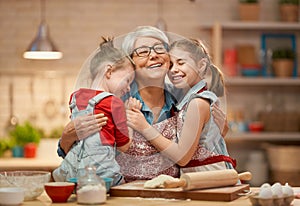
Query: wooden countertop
45	164
130	201
45	160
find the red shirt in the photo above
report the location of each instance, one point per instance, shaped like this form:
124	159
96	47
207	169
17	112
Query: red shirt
116	130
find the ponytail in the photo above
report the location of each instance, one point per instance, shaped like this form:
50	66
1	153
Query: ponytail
106	53
217	81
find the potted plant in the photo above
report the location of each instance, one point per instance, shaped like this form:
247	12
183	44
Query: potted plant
283	62
289	10
249	10
5	146
26	139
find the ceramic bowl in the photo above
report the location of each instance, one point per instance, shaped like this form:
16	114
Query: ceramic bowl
256	126
31	181
11	195
59	191
108	182
250	72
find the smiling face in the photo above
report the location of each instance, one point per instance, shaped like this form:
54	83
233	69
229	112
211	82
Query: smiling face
119	80
184	70
153	68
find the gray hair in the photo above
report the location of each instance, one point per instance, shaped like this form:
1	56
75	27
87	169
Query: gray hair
142	31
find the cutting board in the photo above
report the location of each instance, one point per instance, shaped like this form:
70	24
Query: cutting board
136	189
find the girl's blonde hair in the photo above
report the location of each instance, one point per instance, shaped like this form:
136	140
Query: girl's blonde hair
197	52
107	53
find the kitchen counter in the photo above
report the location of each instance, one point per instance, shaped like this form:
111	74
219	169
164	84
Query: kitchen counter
45	160
43	164
129	201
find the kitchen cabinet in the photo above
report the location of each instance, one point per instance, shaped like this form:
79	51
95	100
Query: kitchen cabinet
226	33
251	96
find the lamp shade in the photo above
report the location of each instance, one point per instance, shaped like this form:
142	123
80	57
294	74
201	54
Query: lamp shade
42	46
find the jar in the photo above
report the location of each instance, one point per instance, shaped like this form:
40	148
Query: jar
90	188
30	150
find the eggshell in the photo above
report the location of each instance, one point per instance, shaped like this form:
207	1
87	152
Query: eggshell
265	185
277	190
265	193
287	190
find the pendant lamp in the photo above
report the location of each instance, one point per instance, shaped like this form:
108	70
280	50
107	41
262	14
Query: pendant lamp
160	24
42	46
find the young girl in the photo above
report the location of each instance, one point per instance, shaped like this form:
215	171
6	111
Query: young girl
200	145
111	73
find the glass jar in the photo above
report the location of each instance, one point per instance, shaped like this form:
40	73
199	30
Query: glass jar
90	188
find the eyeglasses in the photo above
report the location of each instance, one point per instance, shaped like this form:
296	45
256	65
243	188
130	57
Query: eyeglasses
144	51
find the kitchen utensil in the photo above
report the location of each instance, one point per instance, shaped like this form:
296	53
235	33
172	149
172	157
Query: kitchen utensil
50	105
13	120
63	106
32	116
208	179
136	189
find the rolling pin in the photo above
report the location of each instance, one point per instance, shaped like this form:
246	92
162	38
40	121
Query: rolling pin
208	179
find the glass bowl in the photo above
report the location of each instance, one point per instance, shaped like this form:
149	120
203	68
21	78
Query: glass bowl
31	181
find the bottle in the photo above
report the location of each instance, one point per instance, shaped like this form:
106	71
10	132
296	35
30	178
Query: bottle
90	188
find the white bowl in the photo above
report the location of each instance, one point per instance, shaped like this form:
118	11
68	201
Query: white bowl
11	195
31	181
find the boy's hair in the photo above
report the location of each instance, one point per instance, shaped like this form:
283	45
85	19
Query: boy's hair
197	52
107	53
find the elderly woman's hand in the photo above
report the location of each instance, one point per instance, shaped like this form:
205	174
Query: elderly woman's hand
80	128
220	119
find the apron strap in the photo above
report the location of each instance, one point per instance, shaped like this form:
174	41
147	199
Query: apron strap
211	160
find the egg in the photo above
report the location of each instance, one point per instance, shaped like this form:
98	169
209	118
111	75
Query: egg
277	190
265	185
287	190
265	193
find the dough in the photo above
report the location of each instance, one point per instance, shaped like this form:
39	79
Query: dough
158	182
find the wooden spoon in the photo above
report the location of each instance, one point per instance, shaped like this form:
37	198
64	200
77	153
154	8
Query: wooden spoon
13	120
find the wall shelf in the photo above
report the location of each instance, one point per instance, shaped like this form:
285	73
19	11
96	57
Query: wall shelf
238	25
262	81
242	89
263	136
218	28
